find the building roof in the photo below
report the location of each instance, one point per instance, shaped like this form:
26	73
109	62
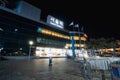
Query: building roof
15	14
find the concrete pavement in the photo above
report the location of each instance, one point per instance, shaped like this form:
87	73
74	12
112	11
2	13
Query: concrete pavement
39	69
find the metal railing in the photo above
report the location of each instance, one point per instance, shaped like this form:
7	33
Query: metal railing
103	68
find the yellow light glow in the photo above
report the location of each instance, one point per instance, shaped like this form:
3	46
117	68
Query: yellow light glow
76	45
52	33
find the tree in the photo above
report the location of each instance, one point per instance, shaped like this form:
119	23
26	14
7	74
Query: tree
102	43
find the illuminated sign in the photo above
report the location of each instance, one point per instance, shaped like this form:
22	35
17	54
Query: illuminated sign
55	22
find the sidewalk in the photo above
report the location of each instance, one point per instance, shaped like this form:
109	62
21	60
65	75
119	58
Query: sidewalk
38	69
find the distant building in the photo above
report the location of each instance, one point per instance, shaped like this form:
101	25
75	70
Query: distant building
18	27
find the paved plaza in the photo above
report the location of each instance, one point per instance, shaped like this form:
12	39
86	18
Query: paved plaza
38	69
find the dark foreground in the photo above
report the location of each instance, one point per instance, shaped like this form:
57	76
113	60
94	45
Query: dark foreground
39	69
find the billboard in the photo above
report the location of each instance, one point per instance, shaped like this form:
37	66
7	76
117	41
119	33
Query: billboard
55	22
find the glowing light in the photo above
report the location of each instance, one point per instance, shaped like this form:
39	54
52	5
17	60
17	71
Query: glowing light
31	42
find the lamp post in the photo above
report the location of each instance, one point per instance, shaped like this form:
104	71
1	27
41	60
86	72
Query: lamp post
30	43
79	38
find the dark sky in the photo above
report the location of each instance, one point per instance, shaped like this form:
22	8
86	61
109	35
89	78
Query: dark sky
99	18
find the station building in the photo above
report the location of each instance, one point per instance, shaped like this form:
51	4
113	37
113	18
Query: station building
22	24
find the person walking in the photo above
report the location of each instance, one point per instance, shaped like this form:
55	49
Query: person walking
50	58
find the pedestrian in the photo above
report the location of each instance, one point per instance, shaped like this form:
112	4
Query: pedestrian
50	61
50	58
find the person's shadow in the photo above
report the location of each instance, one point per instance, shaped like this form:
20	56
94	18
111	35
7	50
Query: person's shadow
50	68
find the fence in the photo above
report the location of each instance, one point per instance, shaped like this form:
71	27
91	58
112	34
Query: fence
101	68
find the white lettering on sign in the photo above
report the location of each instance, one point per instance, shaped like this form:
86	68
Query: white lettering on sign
56	22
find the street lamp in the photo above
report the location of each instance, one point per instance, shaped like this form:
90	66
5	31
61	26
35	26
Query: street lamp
30	43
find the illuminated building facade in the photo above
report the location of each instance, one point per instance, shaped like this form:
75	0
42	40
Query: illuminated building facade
17	29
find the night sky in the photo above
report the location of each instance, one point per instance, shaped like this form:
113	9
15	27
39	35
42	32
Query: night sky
99	19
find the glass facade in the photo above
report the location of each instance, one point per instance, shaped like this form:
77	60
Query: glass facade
17	31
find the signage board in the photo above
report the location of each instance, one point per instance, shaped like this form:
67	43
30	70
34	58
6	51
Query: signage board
55	22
